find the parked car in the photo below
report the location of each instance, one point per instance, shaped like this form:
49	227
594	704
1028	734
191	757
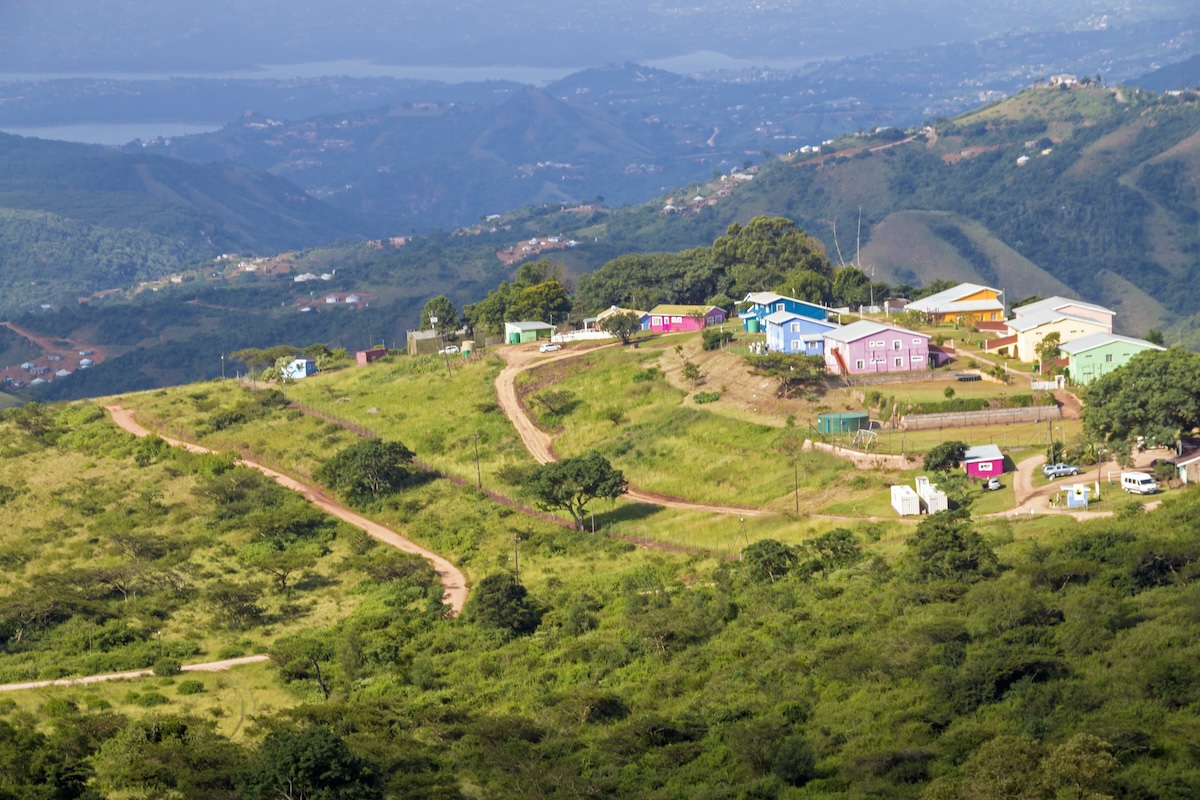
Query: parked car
992	484
1138	483
448	351
550	348
1059	470
1158	461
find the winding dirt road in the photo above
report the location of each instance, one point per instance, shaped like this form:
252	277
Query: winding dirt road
541	446
210	666
452	578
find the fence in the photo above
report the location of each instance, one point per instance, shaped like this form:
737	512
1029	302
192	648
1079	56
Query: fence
989	416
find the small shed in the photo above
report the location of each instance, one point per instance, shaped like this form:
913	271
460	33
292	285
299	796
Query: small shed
62	373
983	461
364	357
422	343
905	501
301	368
86	362
527	331
1078	495
843	422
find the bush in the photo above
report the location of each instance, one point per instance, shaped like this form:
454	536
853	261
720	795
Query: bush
706	397
715	338
166	667
190	687
648	374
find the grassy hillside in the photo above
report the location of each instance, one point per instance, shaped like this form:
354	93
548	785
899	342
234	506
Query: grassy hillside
1035	656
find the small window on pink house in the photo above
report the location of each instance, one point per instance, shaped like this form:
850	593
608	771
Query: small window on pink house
984	466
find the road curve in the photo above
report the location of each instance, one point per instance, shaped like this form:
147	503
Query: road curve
210	666
541	446
452	578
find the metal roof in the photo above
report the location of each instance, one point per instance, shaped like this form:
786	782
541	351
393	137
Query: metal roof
1094	340
864	328
982	452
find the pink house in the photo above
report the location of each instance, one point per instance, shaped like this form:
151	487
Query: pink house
983	461
674	319
866	347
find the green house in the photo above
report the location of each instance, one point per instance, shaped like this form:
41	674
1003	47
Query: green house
522	332
1094	356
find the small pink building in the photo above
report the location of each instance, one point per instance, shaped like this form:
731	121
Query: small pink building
866	347
364	357
983	461
675	319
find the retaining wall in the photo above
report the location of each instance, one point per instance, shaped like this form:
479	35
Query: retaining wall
989	416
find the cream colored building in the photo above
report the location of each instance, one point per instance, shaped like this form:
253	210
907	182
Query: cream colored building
1031	329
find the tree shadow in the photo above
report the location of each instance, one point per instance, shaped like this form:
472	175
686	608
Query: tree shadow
629	512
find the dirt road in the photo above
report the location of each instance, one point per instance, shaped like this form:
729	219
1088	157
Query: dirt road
453	580
541	446
210	666
1028	497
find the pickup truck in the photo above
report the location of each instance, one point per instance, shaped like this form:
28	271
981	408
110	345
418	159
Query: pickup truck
1059	470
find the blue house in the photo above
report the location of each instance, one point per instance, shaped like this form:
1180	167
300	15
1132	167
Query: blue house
300	368
760	304
789	332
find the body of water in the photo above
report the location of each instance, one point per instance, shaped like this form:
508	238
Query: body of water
111	133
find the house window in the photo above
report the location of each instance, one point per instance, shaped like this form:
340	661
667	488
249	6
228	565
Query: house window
779	307
859	364
1108	357
656	320
896	344
916	341
917	359
676	320
984	466
795	327
795	344
900	361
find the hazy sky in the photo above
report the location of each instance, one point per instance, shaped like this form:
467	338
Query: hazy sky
220	35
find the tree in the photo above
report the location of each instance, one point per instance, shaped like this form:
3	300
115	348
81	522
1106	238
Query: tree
790	370
572	483
545	301
945	547
368	469
691	372
851	287
766	249
805	284
500	601
1155	336
945	456
624	325
1048	349
443	310
309	764
768	558
1155	395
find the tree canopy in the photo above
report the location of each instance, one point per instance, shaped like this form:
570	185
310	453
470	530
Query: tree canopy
624	325
764	250
791	371
1156	395
945	456
569	485
441	309
368	470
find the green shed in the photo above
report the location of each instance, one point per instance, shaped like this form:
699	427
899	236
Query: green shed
528	331
843	422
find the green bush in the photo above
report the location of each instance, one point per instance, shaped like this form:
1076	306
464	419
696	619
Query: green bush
648	374
166	667
715	338
191	686
706	397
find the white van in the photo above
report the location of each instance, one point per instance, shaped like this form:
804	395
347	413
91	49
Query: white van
1138	483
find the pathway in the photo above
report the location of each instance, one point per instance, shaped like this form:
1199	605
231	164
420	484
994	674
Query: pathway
453	580
210	666
541	446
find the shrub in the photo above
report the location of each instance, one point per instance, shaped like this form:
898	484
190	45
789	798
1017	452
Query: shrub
166	667
715	338
648	374
59	707
190	687
706	397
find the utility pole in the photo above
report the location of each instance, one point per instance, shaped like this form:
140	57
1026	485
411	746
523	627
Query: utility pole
222	366
796	484
516	558
478	474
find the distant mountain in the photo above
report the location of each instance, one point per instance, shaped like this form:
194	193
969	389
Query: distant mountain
75	219
1183	75
446	164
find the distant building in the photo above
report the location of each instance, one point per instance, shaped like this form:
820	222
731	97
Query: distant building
678	318
421	343
1092	357
300	368
527	331
760	304
983	461
789	332
364	357
866	347
967	302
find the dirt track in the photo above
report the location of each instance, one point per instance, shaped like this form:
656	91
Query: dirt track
453	580
541	446
210	666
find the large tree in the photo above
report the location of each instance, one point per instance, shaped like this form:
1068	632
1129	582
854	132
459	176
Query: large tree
760	253
569	485
791	371
368	469
945	456
1155	395
441	309
624	325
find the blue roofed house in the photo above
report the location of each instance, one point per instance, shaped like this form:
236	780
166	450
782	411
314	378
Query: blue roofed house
789	332
300	368
760	304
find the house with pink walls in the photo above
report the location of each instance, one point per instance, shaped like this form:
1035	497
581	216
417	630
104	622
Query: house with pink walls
866	347
674	319
983	461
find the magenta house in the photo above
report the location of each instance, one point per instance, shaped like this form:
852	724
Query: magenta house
866	347
983	461
675	319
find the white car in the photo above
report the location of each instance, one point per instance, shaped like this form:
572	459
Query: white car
448	351
549	347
